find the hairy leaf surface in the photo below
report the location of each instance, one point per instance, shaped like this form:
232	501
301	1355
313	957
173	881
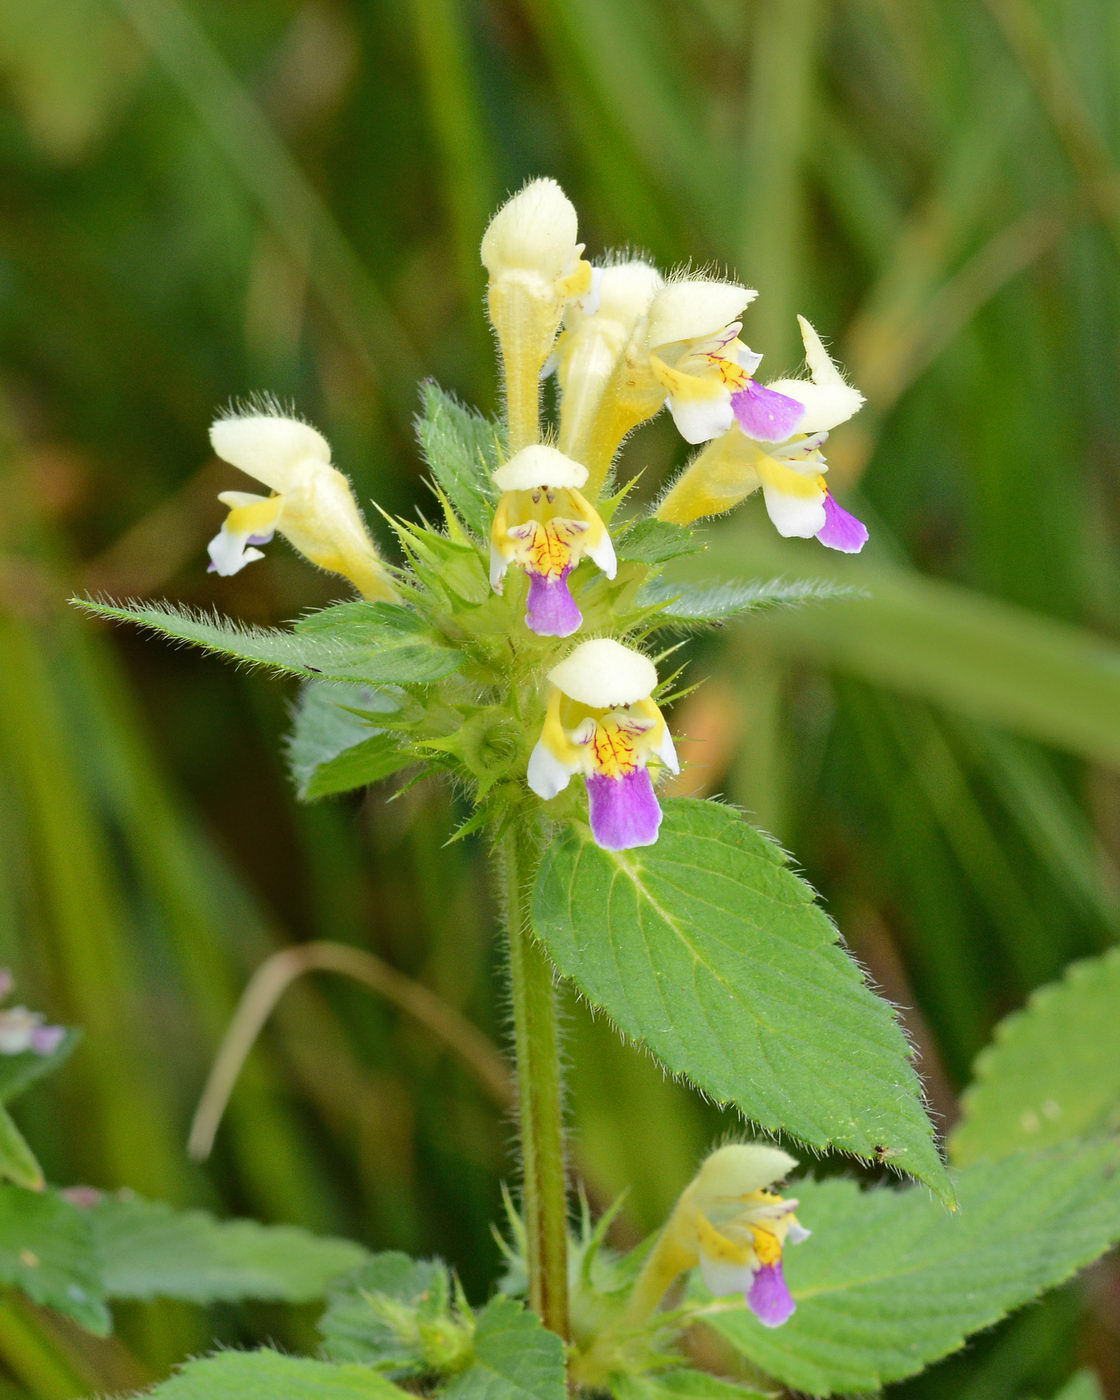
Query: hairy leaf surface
709	950
357	1326
888	1282
462	448
149	1250
333	750
717	601
267	1375
515	1358
374	642
1052	1071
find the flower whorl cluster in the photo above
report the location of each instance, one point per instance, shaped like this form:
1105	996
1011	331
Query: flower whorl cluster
624	342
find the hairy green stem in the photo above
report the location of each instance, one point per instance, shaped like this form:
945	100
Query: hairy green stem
539	1083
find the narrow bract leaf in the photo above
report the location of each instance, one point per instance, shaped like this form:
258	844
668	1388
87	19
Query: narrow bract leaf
709	950
888	1282
655	542
1052	1072
368	644
462	448
515	1358
17	1161
267	1375
17	1072
47	1251
149	1250
331	749
717	601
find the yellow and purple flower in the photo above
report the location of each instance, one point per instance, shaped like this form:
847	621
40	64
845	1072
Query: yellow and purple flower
791	472
312	505
708	377
603	722
545	525
731	1224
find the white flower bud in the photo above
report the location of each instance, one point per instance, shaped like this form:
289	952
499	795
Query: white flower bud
534	231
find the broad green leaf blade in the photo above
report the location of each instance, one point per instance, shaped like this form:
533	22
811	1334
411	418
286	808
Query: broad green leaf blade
369	643
357	1326
333	750
47	1251
684	1385
717	601
709	950
888	1282
17	1161
655	542
1052	1072
462	448
17	1072
266	1375
149	1250
515	1358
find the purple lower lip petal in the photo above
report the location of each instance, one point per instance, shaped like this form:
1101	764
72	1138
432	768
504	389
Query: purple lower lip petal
841	529
625	811
764	414
769	1297
551	610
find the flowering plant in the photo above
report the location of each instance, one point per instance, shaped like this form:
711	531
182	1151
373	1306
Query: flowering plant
528	640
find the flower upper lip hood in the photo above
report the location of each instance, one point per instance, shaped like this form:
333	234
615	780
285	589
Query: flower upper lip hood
693	309
534	231
536	467
274	449
602	674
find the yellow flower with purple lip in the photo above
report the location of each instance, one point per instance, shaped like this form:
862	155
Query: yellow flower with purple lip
791	473
312	504
545	526
603	722
731	1224
708	376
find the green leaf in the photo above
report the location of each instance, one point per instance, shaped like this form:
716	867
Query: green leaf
47	1251
683	1385
462	448
373	1315
17	1072
655	542
331	749
1052	1071
718	601
369	642
266	1375
17	1161
515	1358
149	1250
889	1283
709	950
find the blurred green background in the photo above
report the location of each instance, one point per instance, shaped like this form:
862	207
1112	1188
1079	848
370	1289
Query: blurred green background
206	199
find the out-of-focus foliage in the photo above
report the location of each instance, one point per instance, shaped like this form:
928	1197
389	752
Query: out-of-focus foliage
205	200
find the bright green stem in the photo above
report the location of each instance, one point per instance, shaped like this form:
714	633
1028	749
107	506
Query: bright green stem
539	1084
